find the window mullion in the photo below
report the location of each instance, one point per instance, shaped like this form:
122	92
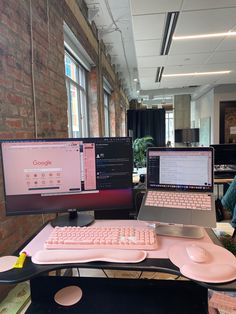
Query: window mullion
69	112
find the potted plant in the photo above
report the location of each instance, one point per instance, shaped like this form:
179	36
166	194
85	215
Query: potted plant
140	146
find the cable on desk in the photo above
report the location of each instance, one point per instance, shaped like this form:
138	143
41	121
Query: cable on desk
138	200
105	273
176	278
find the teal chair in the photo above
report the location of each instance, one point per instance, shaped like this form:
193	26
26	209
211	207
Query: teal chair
229	202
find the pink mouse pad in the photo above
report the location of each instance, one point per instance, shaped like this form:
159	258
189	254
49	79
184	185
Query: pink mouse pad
7	262
220	265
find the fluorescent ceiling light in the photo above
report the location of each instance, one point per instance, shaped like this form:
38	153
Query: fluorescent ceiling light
162	97
159	74
169	28
199	36
196	73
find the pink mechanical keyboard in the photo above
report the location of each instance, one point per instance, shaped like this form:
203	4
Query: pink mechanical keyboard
178	200
136	238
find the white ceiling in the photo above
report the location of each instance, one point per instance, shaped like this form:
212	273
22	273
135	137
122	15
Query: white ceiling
133	33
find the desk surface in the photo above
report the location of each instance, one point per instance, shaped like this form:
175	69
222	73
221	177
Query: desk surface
156	262
222	180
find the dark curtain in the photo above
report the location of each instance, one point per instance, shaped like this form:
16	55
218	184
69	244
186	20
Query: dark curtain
146	122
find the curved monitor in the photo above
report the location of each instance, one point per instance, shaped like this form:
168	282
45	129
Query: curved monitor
59	175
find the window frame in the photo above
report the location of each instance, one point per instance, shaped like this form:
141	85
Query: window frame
168	131
82	104
106	101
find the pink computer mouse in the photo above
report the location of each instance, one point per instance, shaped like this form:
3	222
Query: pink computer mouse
196	253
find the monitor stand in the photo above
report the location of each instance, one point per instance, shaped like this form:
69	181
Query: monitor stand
180	231
73	219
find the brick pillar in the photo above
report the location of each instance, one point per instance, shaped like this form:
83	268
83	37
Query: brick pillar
112	115
93	103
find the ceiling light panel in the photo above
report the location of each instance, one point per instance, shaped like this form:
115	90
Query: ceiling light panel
188	59
154	6
208	21
146	48
209	4
148	26
149	84
174	83
220	57
194	46
229	43
204	80
147	72
227	79
150	62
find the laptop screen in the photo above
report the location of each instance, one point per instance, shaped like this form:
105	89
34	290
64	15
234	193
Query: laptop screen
183	169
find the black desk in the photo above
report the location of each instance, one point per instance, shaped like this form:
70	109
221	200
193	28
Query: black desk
109	295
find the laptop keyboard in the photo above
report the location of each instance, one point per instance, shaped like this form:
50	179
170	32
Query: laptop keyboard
178	200
132	238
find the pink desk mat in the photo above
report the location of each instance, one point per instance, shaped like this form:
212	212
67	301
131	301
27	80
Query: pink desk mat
36	244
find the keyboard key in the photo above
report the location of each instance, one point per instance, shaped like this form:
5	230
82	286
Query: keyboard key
138	238
178	200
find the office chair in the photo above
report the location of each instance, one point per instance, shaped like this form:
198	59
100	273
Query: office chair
228	201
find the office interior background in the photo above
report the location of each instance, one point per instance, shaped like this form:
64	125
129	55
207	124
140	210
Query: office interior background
73	68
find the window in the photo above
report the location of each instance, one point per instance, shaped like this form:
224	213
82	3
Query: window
106	114
107	90
169	117
77	97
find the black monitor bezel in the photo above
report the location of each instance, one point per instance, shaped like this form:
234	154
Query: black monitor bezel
209	190
225	148
66	209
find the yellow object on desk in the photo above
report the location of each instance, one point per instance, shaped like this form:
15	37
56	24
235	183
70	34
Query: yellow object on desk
21	260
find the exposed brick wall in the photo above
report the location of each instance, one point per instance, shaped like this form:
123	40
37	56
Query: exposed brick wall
51	98
17	118
17	114
22	115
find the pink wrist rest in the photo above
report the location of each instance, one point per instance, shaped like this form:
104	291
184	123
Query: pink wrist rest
220	266
85	256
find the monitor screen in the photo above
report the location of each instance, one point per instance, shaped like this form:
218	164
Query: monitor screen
224	154
187	135
180	169
56	175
